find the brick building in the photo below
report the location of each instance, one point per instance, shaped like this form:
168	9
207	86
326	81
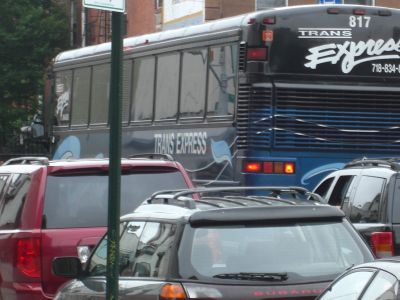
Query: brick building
92	26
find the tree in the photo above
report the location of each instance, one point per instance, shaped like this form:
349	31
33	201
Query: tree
32	32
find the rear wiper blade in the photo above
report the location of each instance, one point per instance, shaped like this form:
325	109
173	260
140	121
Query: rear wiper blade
254	276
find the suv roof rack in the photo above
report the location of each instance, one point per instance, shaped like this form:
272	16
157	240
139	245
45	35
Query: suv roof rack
153	156
27	160
390	162
180	197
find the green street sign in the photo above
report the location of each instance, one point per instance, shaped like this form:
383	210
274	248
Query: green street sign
112	5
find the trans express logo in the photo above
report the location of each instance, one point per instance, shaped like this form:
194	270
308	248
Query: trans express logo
347	54
327	33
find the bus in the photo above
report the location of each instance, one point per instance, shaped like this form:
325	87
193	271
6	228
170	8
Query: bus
274	97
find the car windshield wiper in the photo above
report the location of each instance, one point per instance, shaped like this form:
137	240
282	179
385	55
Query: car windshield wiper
253	276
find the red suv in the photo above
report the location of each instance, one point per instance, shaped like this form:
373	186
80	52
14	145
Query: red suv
59	208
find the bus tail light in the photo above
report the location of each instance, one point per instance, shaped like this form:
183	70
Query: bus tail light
384	13
270	167
359	12
269	20
288	168
252	167
257	53
267	35
382	244
172	291
333	11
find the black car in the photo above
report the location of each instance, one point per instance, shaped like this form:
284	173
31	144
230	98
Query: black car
370	281
223	246
368	191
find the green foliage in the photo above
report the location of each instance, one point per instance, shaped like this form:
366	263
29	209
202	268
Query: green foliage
32	32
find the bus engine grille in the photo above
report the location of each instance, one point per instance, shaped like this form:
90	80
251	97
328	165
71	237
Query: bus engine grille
254	117
329	117
337	118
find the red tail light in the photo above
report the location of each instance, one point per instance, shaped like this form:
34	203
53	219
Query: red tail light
28	257
270	167
359	12
269	20
252	167
382	244
172	291
257	53
333	11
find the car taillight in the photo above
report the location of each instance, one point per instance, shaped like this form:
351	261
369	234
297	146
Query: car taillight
28	257
382	244
270	167
172	291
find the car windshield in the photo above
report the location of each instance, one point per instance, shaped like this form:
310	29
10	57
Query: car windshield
81	200
293	252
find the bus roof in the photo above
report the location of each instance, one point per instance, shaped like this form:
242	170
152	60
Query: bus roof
219	25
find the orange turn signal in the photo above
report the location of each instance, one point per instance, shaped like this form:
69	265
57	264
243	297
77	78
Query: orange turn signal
172	291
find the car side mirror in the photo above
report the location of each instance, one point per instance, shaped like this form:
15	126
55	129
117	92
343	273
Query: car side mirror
69	266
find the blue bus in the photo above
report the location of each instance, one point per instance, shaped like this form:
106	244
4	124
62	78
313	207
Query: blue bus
274	97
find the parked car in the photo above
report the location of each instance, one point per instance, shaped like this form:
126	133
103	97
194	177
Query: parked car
368	191
370	281
52	208
222	246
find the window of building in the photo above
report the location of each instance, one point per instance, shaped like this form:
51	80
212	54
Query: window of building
143	89
265	4
193	85
222	80
100	94
361	2
80	96
167	90
63	96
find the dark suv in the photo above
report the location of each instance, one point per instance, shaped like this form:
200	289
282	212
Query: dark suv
222	246
53	208
368	191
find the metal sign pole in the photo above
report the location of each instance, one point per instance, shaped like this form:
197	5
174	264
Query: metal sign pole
114	191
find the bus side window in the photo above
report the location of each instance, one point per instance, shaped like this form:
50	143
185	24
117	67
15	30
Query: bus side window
167	87
193	85
63	97
100	94
222	80
143	89
80	96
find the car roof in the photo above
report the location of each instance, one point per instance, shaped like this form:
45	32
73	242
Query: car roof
228	208
390	163
389	264
32	164
274	214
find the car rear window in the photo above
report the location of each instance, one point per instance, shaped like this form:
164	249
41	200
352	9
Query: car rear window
304	251
81	200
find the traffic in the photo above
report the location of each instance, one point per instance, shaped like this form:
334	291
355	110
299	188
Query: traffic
259	161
